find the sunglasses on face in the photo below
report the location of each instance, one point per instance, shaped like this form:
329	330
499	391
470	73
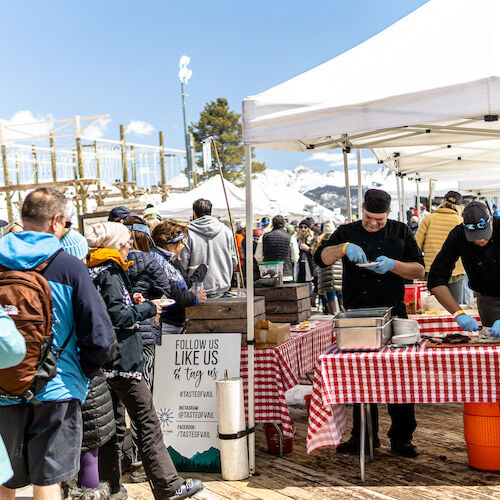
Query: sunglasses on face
482	224
303	227
67	224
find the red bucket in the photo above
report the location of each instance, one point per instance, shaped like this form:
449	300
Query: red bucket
273	441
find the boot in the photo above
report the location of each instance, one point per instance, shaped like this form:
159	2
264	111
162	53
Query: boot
82	493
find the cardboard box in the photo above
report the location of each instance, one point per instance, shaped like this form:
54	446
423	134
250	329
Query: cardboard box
270	334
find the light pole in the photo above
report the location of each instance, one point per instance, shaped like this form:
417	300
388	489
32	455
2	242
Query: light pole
184	76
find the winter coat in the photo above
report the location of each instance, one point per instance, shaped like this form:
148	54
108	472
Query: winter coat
432	233
175	314
115	288
305	267
12	352
98	415
211	242
78	312
148	277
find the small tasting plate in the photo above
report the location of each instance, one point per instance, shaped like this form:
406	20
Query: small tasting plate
167	302
368	264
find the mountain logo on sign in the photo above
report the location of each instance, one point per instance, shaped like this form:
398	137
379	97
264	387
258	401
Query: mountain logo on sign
207	461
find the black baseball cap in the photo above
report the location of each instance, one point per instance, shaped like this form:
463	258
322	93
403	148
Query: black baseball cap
476	221
3	223
118	213
377	201
454	197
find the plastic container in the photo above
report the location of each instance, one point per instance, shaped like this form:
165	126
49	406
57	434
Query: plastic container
273	442
482	435
272	269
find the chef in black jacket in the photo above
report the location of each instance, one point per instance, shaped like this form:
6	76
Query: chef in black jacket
477	242
375	238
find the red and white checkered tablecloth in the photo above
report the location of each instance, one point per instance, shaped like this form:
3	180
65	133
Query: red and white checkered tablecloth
279	368
438	325
410	375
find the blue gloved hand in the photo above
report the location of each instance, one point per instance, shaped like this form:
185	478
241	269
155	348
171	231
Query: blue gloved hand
385	265
355	254
495	329
467	323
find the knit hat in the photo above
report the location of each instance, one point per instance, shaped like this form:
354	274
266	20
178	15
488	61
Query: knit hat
151	212
377	201
108	235
75	244
305	222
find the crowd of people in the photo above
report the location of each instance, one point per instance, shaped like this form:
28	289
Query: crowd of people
93	308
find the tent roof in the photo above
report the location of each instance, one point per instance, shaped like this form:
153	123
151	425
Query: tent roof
430	78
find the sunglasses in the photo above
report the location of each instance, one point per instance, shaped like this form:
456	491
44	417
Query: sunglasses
482	224
303	227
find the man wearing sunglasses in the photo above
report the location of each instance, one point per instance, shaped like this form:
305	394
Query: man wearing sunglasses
476	241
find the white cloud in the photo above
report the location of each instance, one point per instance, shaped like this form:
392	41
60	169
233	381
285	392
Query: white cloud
97	130
24	124
139	127
337	159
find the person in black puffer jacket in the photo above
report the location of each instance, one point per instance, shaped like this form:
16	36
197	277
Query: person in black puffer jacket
124	373
149	278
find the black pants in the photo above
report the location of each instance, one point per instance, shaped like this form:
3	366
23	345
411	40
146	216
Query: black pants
138	401
402	416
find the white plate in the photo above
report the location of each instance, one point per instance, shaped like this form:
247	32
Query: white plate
368	264
167	302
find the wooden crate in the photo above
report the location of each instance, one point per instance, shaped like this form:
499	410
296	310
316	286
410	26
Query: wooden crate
288	303
228	315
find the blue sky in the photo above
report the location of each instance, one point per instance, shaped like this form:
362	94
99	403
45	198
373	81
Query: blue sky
61	58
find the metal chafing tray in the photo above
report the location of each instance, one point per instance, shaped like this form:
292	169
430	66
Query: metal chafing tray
363	329
362	317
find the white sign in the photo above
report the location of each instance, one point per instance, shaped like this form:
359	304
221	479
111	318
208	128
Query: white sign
186	368
207	155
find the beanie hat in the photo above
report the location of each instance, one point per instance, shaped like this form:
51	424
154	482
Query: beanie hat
108	235
305	222
151	212
75	244
377	201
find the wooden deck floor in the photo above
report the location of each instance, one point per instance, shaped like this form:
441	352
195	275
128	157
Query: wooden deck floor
440	472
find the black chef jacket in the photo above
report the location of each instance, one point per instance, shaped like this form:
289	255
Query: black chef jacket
482	264
364	288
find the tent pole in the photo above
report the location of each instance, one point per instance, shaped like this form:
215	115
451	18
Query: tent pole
250	308
403	204
360	183
419	212
431	194
347	187
396	164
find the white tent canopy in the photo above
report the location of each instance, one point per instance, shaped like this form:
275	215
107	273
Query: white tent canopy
268	201
431	78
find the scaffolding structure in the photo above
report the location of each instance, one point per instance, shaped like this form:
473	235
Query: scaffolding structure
59	154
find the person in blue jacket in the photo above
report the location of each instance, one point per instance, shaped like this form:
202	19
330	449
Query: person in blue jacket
12	352
49	435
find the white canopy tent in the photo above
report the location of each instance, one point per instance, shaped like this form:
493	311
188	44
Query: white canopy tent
432	78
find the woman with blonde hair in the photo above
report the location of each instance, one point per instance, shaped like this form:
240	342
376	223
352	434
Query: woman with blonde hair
305	268
432	233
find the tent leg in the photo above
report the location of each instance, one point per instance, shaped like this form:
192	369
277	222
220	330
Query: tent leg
360	184
250	308
403	200
431	194
418	202
347	187
399	196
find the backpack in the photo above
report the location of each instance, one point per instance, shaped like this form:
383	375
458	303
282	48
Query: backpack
26	297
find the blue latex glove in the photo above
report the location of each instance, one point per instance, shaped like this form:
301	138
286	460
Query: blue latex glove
355	254
467	323
385	265
495	329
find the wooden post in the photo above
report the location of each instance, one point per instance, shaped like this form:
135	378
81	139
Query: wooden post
18	176
8	196
132	157
75	171
97	166
79	159
162	171
53	157
35	164
124	158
